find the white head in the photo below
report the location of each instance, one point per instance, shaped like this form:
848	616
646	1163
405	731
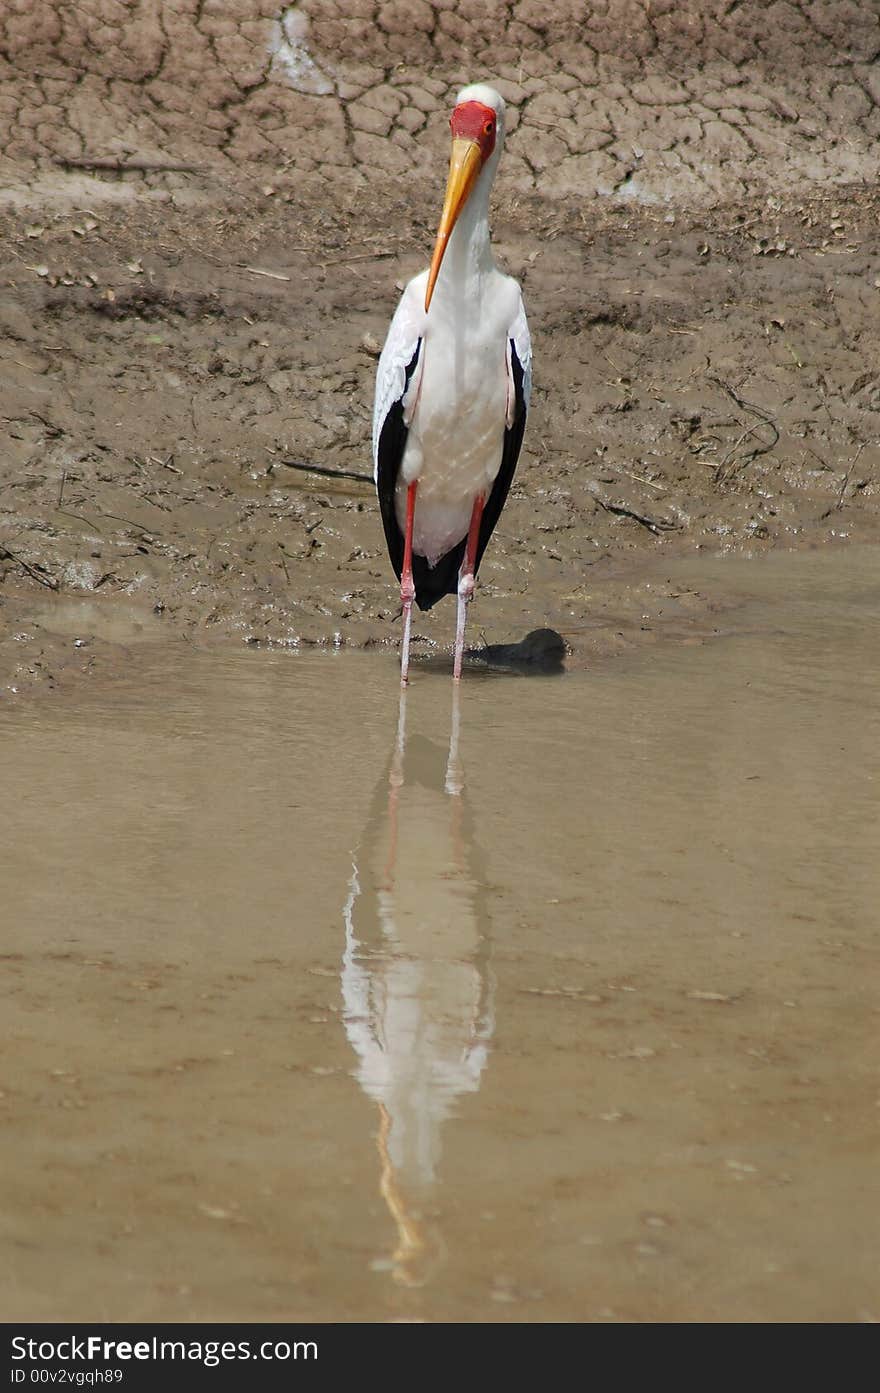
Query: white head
477	125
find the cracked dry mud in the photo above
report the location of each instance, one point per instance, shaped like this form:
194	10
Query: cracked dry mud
207	211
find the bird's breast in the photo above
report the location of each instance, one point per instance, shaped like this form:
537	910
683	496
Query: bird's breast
459	421
458	410
454	447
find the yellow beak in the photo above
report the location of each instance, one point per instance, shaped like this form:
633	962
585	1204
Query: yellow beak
465	164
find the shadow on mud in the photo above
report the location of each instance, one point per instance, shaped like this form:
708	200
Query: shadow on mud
540	654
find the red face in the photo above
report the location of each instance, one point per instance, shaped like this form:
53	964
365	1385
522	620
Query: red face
474	121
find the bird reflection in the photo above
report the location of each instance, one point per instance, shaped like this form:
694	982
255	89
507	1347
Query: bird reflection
416	982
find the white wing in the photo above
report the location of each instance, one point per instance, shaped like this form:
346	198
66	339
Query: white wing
522	342
404	332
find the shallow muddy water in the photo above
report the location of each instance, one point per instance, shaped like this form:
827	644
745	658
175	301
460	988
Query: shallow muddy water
557	1003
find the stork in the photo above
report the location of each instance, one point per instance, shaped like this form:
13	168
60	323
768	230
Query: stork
452	388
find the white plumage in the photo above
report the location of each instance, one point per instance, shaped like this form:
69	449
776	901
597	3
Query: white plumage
453	383
456	414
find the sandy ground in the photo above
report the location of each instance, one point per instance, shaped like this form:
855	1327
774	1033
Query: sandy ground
207	213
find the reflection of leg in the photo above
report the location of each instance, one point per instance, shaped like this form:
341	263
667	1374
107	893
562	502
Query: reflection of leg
396	775
466	582
407	588
455	781
395	783
454	774
411	1244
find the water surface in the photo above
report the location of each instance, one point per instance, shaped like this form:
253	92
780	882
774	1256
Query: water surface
557	1004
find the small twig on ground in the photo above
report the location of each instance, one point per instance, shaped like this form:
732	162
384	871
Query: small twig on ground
824	463
148	498
270	275
138	526
719	467
89	522
166	463
49	581
654	525
843	487
54	431
640	480
327	473
764	418
846	477
361	256
741	401
151	487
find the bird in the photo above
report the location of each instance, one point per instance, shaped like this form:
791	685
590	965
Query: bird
452	388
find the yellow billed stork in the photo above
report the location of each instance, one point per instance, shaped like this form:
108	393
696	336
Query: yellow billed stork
452	388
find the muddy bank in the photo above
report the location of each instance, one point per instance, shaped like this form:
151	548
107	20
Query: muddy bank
189	334
700	382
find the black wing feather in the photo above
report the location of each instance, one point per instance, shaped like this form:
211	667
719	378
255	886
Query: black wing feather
433	582
392	443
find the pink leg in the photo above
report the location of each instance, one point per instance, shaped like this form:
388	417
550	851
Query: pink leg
466	583
407	587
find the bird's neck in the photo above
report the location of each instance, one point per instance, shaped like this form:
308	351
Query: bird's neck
468	258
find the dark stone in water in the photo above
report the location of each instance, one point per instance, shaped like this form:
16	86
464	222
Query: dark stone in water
541	651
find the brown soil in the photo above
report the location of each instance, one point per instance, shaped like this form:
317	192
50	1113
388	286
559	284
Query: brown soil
206	218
